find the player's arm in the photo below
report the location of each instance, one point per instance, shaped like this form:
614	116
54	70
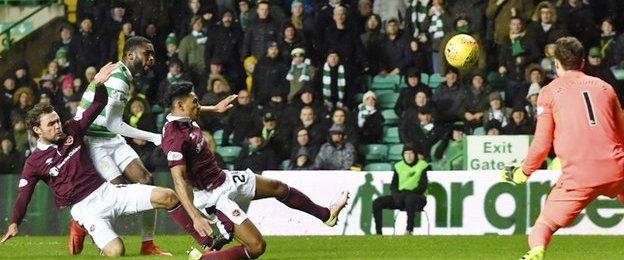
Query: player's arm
220	107
26	187
201	224
100	99
114	114
544	134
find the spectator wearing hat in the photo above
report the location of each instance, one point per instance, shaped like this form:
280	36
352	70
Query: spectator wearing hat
544	25
256	155
241	119
531	98
447	154
269	76
171	45
408	186
192	48
84	48
340	117
392	49
302	141
10	159
515	92
244	14
336	154
302	161
449	97
301	71
419	127
225	43
517	51
368	120
275	136
406	96
260	32
475	102
596	66
493	127
496	110
69	98
519	124
289	40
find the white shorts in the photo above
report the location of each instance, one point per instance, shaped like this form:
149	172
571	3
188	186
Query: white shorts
110	156
238	188
96	211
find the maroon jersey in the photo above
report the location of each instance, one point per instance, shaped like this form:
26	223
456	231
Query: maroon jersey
184	144
65	167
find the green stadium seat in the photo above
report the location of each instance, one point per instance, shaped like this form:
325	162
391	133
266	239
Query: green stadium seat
395	152
358	97
424	78
387	100
383	86
229	153
159	119
619	74
379	92
390	117
218	136
479	131
230	166
435	80
375	152
391	135
390	79
285	165
378	167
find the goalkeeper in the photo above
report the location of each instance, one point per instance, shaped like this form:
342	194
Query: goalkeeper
581	116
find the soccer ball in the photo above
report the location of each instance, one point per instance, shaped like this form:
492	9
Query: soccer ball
462	51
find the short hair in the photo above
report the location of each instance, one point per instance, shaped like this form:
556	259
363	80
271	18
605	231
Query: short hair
134	42
265	2
177	90
33	117
570	53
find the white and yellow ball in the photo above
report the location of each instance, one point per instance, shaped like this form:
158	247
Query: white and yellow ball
462	51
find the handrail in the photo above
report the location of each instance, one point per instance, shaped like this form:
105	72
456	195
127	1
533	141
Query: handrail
7	42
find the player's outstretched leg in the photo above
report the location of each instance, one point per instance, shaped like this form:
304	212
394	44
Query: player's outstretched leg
253	245
293	198
77	235
135	172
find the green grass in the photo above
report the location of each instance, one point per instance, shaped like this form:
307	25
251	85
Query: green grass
353	247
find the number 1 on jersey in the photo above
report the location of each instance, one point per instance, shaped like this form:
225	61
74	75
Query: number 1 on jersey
590	109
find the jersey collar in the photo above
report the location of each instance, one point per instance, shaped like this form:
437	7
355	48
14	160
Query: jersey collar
41	146
171	118
124	70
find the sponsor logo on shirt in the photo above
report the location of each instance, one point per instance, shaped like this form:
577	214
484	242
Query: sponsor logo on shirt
236	213
540	110
22	183
54	171
174	156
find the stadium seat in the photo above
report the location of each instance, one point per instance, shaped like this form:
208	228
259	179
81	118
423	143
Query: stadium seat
391	135
285	165
619	74
387	100
378	167
358	97
375	152
383	86
395	152
229	153
218	136
390	117
390	79
479	131
435	80
379	92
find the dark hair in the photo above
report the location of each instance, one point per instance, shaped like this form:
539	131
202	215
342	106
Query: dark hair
135	42
264	2
570	52
177	90
33	117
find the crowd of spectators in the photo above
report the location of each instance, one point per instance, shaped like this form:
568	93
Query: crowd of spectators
302	70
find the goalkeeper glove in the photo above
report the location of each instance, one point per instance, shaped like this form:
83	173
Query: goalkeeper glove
514	174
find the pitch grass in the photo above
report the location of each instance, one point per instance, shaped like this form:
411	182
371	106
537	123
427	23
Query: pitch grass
351	247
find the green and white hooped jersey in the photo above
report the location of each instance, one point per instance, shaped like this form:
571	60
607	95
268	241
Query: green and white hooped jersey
117	87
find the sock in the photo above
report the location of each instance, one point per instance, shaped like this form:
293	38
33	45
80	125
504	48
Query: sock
148	218
297	200
238	252
540	235
179	215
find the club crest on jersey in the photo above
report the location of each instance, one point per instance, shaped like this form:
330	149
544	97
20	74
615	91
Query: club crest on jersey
54	171
69	140
236	213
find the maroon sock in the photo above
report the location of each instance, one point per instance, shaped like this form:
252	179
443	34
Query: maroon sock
237	252
297	200
180	216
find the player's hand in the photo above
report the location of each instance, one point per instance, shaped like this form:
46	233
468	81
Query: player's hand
11	232
104	73
202	225
157	140
514	174
225	104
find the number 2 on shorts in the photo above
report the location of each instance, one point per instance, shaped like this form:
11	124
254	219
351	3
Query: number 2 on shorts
239	178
